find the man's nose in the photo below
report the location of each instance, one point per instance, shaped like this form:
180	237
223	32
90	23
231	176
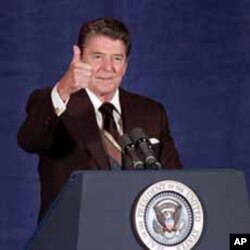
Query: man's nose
107	64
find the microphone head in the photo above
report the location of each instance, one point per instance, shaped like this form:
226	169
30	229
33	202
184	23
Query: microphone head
137	134
130	157
142	142
125	141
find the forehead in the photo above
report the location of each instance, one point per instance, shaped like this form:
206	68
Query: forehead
104	44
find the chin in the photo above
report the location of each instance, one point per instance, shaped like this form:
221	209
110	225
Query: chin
107	89
107	92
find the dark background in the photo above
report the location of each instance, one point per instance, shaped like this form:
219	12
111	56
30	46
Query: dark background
192	55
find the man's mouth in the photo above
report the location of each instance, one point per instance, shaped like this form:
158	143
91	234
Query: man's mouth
105	78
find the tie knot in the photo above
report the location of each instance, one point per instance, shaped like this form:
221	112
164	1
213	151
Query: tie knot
107	108
108	119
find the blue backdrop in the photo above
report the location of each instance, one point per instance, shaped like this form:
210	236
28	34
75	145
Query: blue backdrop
192	55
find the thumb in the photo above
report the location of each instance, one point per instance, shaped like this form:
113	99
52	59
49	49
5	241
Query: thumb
76	54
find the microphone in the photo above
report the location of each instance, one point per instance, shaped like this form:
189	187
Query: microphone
128	148
142	142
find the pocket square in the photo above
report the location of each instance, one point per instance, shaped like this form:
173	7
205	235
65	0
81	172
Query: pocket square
154	141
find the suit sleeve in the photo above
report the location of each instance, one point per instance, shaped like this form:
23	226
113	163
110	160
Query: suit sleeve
169	156
36	134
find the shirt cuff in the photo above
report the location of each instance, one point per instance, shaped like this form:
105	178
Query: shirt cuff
58	103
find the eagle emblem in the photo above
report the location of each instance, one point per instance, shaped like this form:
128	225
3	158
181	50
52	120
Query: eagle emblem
168	215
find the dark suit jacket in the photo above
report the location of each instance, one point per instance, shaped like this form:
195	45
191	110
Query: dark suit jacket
73	142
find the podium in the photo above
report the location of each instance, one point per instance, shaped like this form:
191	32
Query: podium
95	209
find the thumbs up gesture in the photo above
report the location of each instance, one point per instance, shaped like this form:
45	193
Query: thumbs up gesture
78	76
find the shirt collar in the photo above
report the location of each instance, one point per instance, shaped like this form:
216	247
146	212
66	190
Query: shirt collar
97	102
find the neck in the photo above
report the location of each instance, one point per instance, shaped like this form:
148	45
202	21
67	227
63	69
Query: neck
106	98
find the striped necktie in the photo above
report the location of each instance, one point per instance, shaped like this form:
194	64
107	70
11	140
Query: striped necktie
110	128
108	119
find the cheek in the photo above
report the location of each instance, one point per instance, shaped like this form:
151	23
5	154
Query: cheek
95	71
124	69
120	71
96	66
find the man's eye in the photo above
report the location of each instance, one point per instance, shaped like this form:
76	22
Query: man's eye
97	56
118	58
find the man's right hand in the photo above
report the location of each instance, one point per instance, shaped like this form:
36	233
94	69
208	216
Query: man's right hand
78	76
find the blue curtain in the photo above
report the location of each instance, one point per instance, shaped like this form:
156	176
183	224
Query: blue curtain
191	55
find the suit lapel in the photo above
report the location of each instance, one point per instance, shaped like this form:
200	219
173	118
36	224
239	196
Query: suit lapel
129	116
85	129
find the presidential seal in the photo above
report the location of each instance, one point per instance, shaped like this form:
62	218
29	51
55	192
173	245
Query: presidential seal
168	216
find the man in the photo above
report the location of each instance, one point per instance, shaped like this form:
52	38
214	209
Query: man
65	124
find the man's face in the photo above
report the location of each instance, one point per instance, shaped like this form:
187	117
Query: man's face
108	60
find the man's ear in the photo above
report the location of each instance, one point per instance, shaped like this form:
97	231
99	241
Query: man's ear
125	66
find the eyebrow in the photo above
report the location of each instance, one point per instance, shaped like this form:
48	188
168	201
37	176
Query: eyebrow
101	53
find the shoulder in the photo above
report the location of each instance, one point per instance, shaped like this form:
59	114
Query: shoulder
39	100
139	101
137	98
40	94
